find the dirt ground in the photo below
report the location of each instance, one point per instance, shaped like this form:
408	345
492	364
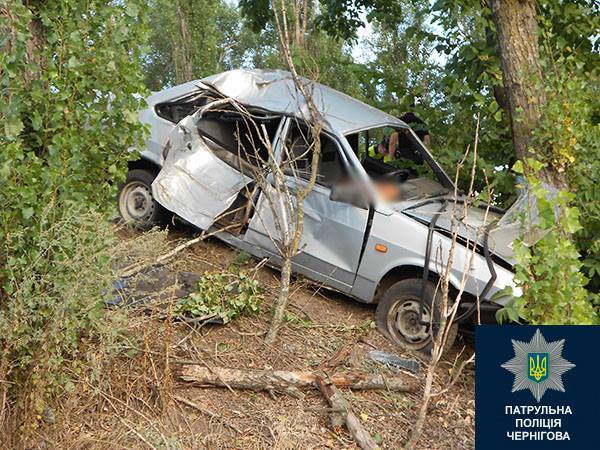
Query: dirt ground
132	403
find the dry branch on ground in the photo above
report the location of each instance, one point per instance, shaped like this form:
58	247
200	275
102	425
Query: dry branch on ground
342	415
289	382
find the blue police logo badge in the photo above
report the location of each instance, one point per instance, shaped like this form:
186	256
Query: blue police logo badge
538	365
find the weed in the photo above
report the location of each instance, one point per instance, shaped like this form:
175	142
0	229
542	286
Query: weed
224	295
240	259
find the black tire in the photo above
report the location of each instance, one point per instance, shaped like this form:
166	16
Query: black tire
136	205
398	315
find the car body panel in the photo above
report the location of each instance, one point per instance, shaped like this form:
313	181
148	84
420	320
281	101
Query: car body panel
331	240
276	91
333	232
159	127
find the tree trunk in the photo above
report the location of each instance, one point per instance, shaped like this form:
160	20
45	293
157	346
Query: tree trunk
183	62
35	48
517	28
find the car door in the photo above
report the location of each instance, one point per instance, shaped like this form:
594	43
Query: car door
333	231
194	183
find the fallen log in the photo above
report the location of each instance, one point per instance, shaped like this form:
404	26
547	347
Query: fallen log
342	415
289	382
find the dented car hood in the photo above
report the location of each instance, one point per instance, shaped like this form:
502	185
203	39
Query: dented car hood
520	221
473	223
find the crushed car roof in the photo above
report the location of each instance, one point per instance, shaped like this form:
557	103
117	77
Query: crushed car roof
275	91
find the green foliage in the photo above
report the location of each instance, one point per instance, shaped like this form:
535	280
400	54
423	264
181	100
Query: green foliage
258	13
70	82
320	56
60	110
209	36
555	272
569	138
222	294
55	297
509	312
343	17
240	259
191	39
549	273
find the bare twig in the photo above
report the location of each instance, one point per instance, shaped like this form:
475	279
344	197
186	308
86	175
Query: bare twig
448	313
207	412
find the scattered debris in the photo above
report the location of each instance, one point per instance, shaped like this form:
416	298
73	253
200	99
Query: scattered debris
394	362
289	382
153	284
339	357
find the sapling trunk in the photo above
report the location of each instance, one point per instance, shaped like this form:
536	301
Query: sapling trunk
282	301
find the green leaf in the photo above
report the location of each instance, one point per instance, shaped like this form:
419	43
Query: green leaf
73	62
27	212
13	127
132	10
518	167
535	165
378	438
507	291
513	315
36	121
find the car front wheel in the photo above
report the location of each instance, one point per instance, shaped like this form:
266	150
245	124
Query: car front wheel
399	315
136	205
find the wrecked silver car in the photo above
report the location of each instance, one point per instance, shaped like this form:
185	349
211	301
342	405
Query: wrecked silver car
390	247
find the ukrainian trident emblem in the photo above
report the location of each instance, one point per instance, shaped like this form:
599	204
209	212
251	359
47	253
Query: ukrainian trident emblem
538	366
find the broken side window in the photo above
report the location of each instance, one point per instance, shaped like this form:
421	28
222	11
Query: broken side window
177	110
405	174
239	139
299	151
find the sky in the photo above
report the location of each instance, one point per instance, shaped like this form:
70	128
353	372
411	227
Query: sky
360	51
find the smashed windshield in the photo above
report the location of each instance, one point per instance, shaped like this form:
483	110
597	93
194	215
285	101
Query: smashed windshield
521	221
398	164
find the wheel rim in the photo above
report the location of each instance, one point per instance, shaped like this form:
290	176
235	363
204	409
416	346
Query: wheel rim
136	203
404	323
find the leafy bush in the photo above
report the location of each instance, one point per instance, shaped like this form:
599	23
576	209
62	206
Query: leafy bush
549	273
53	305
555	274
69	89
222	294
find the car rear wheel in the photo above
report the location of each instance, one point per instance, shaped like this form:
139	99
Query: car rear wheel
136	205
398	315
